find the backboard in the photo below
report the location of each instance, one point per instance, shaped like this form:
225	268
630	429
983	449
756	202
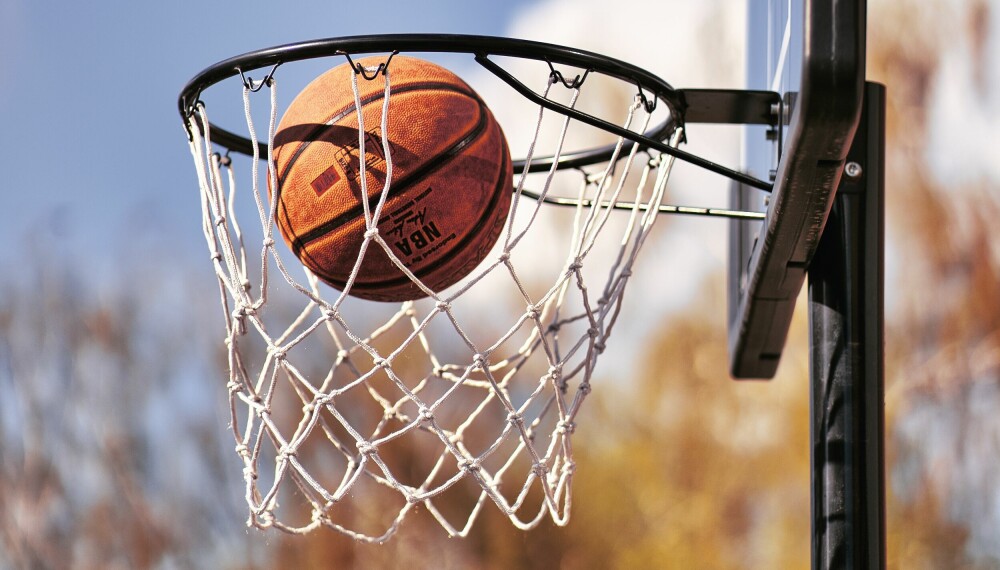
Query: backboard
810	52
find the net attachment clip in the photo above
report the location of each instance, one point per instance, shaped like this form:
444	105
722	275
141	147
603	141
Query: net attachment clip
557	75
268	80
360	69
648	104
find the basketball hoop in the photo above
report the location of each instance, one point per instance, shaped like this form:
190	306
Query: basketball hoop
343	409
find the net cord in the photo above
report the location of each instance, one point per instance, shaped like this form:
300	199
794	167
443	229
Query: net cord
252	389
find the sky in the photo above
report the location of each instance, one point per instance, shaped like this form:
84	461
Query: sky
95	161
98	172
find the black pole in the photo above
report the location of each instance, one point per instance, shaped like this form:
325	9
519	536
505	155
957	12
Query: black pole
847	387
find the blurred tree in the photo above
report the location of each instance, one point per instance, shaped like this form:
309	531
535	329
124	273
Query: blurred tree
943	365
104	459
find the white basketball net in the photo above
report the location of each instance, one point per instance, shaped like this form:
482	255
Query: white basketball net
352	423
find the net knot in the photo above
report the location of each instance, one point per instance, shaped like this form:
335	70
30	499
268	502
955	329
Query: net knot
540	469
245	284
532	312
555	374
216	256
479	361
569	467
242	451
267	516
284	454
371	233
242	312
220	221
470	465
626	273
365	448
330	314
515	419
233	386
342	355
576	265
426	415
380	363
584	388
444	306
565	427
504	257
268	242
277	352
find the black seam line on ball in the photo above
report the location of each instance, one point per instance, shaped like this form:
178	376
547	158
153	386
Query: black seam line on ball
395	187
498	191
336	117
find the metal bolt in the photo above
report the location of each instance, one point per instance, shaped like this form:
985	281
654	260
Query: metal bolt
853	170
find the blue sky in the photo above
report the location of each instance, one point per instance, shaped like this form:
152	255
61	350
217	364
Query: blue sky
94	159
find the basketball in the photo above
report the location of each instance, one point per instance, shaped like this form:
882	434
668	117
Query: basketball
448	197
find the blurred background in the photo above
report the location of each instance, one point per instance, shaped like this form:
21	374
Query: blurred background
114	451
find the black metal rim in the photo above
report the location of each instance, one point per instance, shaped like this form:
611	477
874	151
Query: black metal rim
651	89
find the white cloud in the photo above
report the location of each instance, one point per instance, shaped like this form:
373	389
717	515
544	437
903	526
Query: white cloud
964	105
688	44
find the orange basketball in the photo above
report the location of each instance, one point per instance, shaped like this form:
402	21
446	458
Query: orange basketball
450	189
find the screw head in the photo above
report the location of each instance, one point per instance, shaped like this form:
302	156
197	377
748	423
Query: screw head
853	170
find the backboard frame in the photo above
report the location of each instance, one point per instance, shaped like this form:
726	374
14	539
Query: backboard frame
818	72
